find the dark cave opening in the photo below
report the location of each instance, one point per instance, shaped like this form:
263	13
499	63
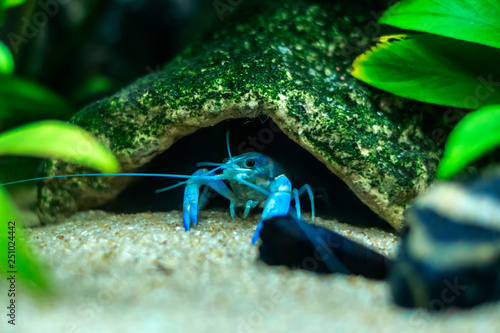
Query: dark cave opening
333	198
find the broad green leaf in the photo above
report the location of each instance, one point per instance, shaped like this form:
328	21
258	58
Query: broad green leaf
20	97
27	267
53	139
476	21
6	60
12	3
433	69
59	140
476	134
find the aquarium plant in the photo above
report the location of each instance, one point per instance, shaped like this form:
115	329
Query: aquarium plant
42	139
449	56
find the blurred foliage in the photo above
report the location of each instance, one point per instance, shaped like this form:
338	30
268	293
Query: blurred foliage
476	134
87	49
454	64
25	100
56	139
49	139
68	54
473	21
431	69
29	268
6	60
21	99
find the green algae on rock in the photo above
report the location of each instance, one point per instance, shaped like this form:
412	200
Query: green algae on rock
287	60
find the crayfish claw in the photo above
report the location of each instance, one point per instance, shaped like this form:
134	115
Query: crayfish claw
193	209
256	234
190	214
186	219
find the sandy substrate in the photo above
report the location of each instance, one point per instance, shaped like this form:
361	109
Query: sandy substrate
144	273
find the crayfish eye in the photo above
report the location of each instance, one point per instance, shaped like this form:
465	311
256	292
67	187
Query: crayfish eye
225	160
250	162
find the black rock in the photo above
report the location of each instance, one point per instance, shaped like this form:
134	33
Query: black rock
297	244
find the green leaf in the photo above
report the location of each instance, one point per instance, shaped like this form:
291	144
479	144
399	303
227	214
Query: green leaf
4	4
476	21
20	97
12	3
475	135
59	140
28	267
52	139
6	60
433	69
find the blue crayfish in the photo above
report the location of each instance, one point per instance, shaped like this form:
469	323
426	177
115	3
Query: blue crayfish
253	179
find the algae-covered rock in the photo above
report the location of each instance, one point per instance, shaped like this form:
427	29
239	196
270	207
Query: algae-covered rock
286	59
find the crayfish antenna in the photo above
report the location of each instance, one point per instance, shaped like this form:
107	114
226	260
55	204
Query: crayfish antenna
201	164
165	189
203	176
161	175
227	145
